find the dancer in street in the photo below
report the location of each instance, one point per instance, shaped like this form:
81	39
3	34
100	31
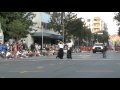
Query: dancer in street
60	51
69	50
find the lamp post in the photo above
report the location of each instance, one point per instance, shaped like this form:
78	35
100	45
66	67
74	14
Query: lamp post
62	19
41	32
63	31
42	35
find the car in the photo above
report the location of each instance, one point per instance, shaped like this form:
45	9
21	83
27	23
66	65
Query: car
97	47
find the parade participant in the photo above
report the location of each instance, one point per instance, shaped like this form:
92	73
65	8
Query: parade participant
60	51
69	50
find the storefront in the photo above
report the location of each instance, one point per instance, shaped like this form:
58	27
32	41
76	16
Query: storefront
49	37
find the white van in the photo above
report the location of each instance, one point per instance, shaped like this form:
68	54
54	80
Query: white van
98	47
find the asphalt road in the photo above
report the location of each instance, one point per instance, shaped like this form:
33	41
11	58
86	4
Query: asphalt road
83	65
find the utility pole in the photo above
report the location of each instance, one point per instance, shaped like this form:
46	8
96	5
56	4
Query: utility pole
42	36
62	18
41	29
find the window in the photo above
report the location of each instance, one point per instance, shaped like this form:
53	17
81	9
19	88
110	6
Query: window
95	19
88	20
45	25
47	12
96	24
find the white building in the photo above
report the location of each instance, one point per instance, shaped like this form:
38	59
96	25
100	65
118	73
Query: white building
96	24
40	29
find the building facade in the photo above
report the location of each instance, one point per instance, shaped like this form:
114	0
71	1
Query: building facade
40	32
96	24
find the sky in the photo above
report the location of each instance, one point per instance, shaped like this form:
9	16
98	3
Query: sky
107	17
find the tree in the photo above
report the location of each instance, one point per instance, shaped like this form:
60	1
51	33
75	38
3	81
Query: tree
102	37
69	20
117	18
55	21
73	27
16	25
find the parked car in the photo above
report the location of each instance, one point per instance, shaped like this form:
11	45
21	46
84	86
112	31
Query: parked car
98	47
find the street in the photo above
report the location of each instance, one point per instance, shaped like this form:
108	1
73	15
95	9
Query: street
83	65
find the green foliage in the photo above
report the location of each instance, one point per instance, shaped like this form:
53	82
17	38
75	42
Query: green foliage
73	26
117	18
55	21
16	24
102	37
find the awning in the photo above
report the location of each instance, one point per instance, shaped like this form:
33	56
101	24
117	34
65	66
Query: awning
47	34
56	36
39	34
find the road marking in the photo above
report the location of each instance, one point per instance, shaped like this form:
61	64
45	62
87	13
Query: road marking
23	71
26	71
51	64
95	71
82	55
40	67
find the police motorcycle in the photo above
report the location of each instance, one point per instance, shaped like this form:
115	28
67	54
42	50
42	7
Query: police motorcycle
2	54
3	50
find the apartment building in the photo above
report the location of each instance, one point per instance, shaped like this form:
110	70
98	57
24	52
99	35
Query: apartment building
96	24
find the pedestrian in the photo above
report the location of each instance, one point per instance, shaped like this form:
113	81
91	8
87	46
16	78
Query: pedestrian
69	50
14	49
104	51
60	51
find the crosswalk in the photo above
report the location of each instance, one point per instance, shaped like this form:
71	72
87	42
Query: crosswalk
75	56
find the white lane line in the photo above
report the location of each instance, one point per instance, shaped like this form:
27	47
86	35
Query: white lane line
23	71
95	71
51	64
2	77
26	71
82	55
40	67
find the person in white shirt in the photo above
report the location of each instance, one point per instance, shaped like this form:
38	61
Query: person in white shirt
60	51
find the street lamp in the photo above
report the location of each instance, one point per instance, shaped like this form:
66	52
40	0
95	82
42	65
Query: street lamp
42	35
41	32
62	19
63	31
